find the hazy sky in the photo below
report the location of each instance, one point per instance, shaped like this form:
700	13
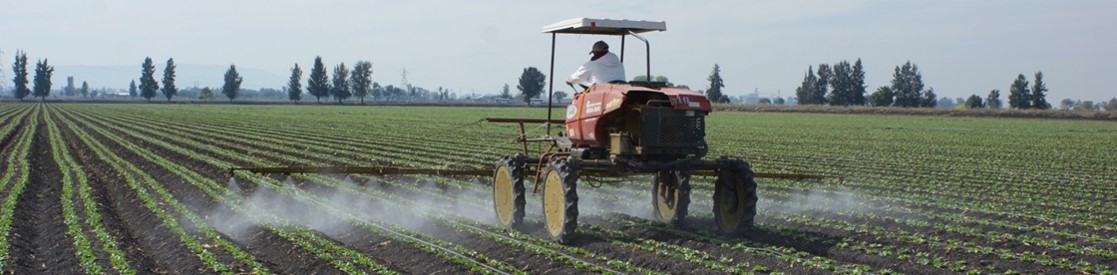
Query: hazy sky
962	47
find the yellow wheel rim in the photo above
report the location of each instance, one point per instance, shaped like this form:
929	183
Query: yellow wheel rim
732	204
554	203
667	199
502	195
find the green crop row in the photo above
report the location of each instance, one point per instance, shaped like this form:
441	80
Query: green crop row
230	145
72	172
16	176
339	256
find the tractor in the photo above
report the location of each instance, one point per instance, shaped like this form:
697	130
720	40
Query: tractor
611	130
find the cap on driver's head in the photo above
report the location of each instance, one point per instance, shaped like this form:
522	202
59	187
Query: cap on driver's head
600	46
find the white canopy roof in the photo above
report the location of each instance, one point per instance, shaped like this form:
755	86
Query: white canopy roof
584	25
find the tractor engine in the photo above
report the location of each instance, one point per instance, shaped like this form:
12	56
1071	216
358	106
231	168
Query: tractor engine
637	124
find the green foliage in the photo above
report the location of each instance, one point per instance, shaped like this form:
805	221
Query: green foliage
806	91
993	100
928	100
531	84
169	89
857	86
319	84
43	71
69	90
907	85
341	87
822	85
505	92
1018	95
19	69
148	86
882	97
362	79
974	102
559	96
764	101
779	101
844	85
132	91
714	92
16	176
294	85
206	94
1067	104
1039	93
232	83
84	88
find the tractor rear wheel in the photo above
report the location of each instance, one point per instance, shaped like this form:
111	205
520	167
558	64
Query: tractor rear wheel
560	199
734	197
671	196
508	191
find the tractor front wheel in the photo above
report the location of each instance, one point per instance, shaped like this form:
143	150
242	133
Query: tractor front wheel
508	191
734	197
560	199
671	196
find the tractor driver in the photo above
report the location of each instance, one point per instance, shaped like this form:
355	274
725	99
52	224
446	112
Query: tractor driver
603	67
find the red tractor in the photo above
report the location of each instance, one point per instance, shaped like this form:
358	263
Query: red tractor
612	130
622	129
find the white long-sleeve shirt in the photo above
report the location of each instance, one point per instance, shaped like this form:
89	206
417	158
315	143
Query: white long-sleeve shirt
606	69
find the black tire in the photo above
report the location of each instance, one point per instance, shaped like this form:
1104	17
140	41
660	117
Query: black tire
560	199
734	197
508	191
671	197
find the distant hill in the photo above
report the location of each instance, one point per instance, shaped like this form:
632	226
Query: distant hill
186	75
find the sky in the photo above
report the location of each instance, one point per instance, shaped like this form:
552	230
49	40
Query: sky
962	47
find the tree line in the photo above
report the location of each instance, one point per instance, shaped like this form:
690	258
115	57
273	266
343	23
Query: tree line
844	85
839	84
42	81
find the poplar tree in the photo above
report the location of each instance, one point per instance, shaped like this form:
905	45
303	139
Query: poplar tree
907	84
43	72
1039	93
19	69
148	86
319	84
132	91
841	93
857	96
806	91
340	89
1018	95
169	89
294	85
362	80
714	92
232	83
822	84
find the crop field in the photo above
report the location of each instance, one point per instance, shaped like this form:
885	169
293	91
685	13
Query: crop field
145	188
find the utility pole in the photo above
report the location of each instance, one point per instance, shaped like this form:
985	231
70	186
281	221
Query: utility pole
406	86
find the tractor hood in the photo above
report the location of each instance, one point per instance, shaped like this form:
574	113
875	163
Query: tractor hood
683	99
